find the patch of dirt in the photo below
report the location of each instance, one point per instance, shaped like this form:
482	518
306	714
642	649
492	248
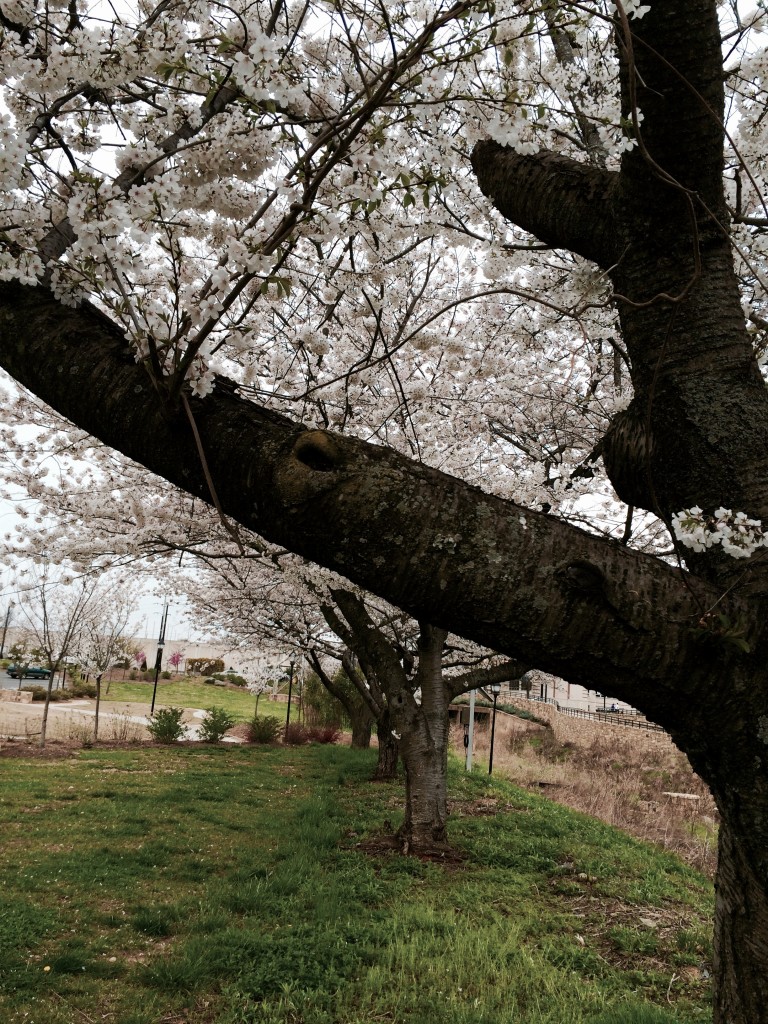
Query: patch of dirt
240	732
57	749
52	751
484	806
391	842
599	915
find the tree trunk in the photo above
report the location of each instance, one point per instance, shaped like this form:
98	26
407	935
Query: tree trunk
98	705
424	749
426	801
362	726
44	723
389	750
741	934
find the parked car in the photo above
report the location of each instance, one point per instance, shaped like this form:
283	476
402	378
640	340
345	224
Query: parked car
30	672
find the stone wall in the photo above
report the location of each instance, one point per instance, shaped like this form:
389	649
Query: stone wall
586	731
16	696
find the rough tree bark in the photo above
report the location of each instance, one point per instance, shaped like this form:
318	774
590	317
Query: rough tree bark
542	590
548	594
696	432
424	749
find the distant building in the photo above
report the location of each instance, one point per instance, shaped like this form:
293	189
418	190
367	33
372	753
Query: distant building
544	686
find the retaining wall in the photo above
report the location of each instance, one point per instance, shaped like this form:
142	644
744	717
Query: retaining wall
585	731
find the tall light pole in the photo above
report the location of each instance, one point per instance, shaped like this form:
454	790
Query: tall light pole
495	690
159	656
5	628
470	737
290	691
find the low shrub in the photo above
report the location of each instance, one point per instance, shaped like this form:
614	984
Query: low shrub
121	729
263	729
230	677
166	725
217	721
81	689
204	666
39	692
165	674
323	733
296	734
82	733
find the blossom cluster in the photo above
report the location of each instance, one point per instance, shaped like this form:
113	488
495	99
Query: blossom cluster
632	8
293	207
737	534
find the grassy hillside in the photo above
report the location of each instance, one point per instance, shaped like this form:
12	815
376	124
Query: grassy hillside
185	693
245	885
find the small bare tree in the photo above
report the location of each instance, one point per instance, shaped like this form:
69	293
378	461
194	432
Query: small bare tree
104	639
55	609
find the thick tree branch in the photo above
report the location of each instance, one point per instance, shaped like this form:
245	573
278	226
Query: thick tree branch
529	586
376	653
564	203
371	693
485	677
338	692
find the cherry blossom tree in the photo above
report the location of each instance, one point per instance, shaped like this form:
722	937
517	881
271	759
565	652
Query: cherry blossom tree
345	690
404	673
391	285
257	687
408	693
176	659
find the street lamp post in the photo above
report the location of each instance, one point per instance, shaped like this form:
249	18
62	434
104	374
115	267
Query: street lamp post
290	693
469	739
159	655
5	628
495	689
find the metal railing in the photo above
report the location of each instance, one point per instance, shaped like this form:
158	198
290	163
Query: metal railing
626	719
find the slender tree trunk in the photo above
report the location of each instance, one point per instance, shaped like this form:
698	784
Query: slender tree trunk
389	750
44	724
98	703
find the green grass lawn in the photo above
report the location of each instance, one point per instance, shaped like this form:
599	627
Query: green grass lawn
237	885
186	694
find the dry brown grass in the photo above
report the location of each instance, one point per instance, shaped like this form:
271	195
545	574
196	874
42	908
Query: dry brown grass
622	779
72	724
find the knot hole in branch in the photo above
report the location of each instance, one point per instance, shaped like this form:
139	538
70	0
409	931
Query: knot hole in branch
318	451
